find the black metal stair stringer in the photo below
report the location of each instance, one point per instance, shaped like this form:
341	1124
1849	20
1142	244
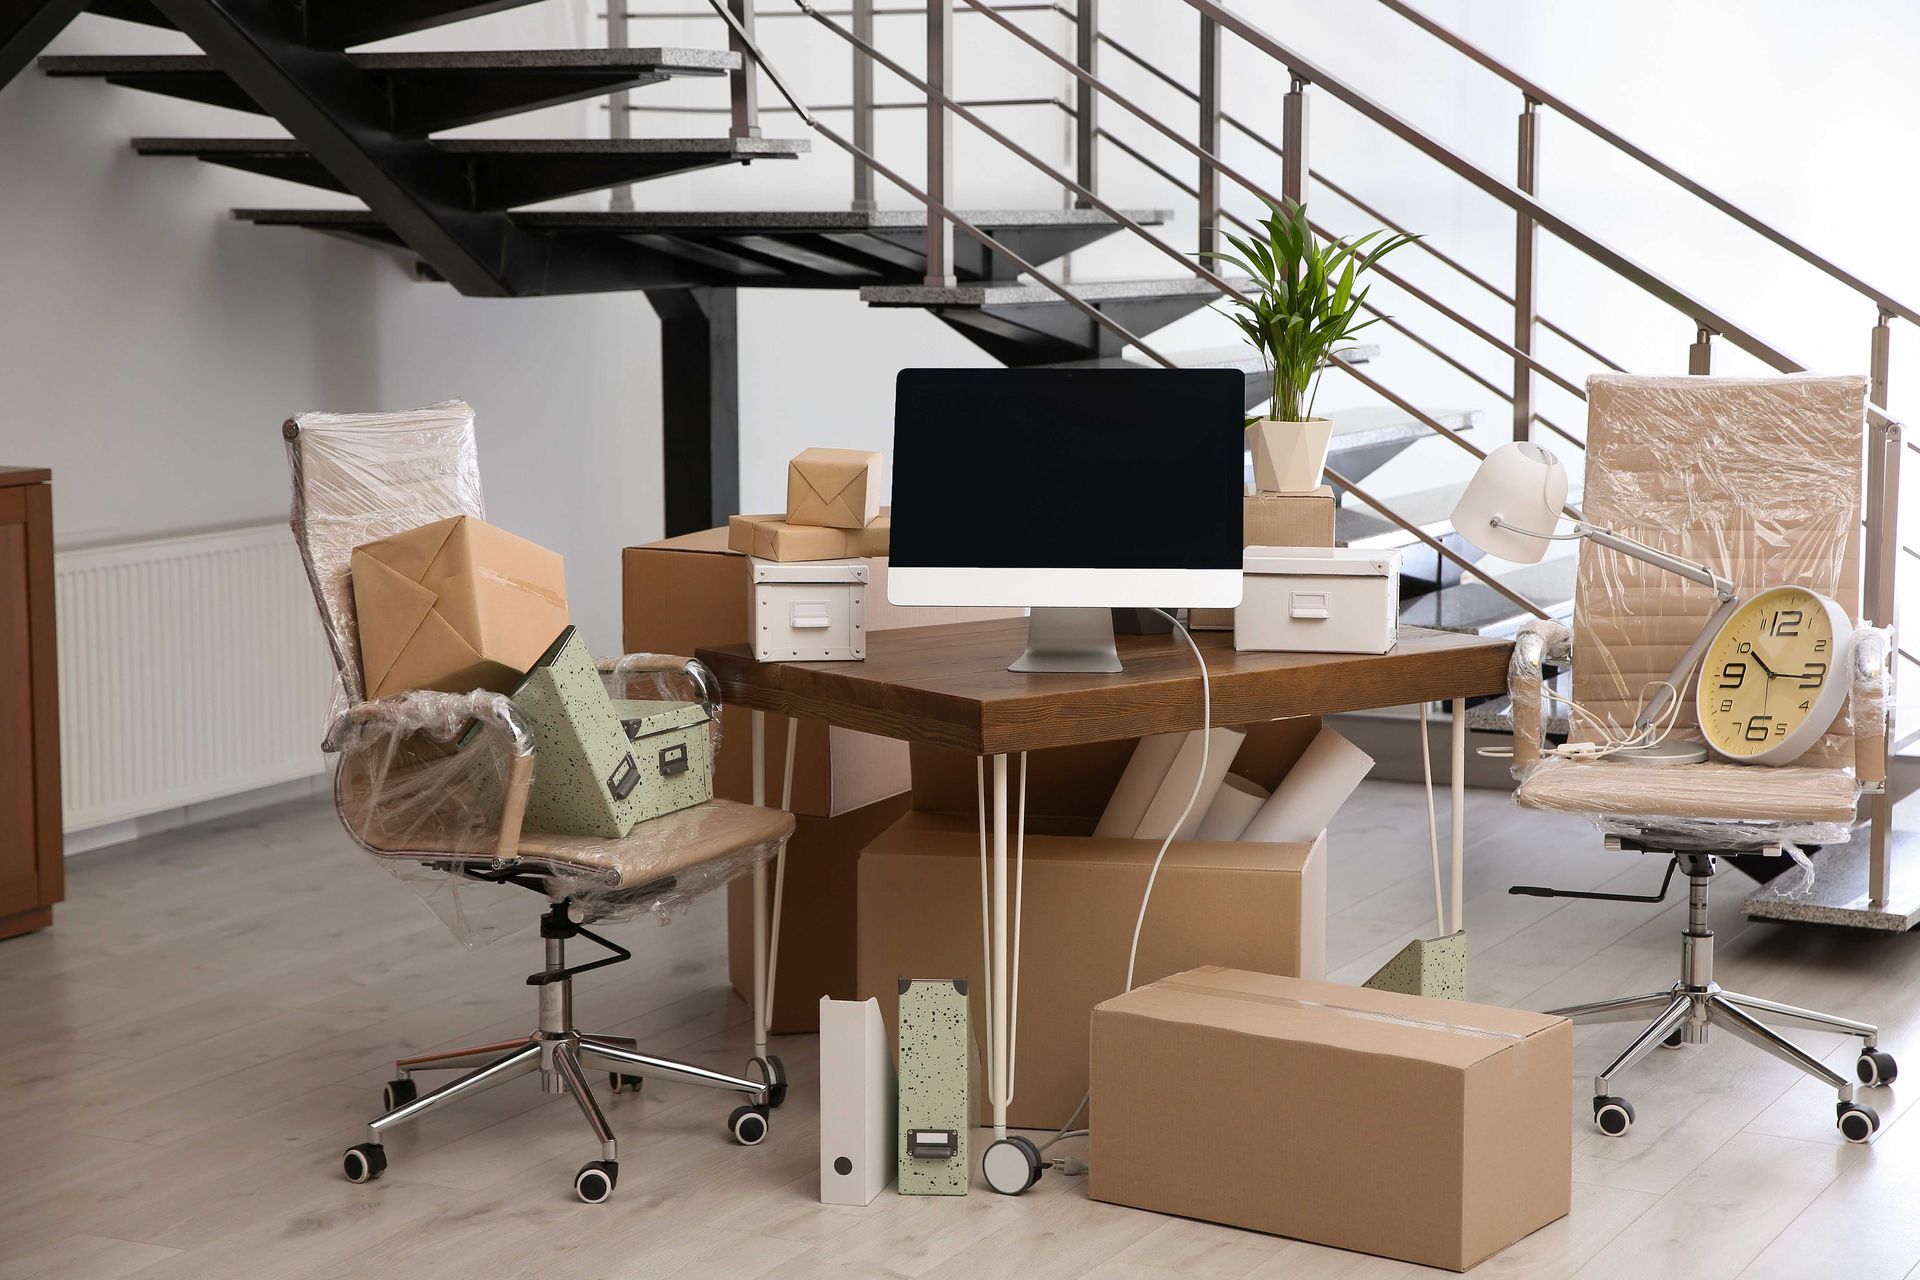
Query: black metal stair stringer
26	27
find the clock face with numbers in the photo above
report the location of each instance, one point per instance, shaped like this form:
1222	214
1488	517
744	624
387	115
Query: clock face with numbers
1774	676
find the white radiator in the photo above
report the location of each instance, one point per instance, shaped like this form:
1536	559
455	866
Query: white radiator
191	668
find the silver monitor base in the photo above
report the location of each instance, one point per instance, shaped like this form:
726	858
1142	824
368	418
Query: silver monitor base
1069	640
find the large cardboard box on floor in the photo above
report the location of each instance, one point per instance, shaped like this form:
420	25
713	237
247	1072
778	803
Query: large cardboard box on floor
1432	1131
680	594
1254	905
819	915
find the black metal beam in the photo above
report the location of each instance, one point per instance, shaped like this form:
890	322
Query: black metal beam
27	26
341	24
700	401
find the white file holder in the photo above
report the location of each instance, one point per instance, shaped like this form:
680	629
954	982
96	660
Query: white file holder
1318	600
809	610
858	1097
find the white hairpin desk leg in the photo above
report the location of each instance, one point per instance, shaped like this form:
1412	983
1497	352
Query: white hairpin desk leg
760	1011
1457	780
999	1087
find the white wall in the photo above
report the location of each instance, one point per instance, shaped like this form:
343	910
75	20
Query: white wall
152	344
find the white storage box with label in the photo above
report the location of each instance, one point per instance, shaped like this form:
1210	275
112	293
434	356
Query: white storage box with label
809	610
1318	600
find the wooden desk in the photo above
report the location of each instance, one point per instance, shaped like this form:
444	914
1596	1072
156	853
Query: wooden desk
949	686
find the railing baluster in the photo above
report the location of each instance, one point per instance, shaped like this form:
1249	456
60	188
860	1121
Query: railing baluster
1209	133
862	105
939	139
1293	143
1086	103
1881	350
745	85
619	120
1525	241
1700	352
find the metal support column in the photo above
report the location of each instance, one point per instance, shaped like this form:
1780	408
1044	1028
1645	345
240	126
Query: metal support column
1293	143
862	104
1700	353
1209	134
1883	557
1525	243
939	140
1086	104
619	118
700	402
745	82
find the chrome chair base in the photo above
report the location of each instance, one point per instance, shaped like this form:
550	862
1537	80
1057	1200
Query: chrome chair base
562	1055
1685	1013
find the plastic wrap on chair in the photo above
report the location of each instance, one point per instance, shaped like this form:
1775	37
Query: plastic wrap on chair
664	677
1536	645
1867	707
1709	806
1757	478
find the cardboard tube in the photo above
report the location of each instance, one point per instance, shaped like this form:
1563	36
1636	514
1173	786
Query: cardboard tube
1222	745
1146	770
1312	792
1233	808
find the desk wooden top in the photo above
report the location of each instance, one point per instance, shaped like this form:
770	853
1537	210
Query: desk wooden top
949	686
11	476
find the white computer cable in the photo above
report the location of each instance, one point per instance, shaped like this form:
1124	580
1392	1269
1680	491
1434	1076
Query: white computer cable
1609	742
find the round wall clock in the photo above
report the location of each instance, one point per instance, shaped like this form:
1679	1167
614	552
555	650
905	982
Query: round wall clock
1774	676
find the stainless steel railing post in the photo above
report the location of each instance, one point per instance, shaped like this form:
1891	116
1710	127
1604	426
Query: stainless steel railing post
1526	239
862	105
744	87
1293	143
1700	352
619	118
1086	102
939	139
1209	134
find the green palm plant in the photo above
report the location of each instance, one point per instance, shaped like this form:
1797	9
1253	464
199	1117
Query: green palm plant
1306	300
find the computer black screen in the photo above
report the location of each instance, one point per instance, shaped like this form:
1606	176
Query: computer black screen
1068	468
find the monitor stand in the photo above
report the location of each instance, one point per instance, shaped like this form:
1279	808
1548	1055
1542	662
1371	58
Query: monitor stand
1069	640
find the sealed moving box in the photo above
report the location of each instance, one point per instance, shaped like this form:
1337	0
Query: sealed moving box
1432	1131
1252	905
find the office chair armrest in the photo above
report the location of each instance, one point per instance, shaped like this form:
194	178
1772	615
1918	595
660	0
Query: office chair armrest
1868	703
662	677
1537	644
445	718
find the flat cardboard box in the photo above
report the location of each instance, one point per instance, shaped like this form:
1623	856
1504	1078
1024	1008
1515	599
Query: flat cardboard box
1432	1131
919	916
819	913
836	488
455	605
772	538
1277	520
692	591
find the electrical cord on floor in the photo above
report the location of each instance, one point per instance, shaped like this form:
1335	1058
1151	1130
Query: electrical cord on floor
1069	1164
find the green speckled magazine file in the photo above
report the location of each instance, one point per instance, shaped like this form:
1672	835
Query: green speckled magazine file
936	1104
1426	967
590	778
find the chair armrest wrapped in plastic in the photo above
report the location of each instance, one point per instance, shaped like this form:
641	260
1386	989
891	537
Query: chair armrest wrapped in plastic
664	677
1536	645
1867	707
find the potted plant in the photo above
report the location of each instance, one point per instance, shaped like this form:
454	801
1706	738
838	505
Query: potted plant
1305	300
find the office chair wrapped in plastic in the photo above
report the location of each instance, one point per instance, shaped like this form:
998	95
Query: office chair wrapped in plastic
434	786
1760	480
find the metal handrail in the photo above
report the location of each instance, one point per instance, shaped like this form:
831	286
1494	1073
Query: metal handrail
1561	107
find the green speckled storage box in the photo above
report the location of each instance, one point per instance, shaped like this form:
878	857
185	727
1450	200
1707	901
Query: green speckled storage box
936	1109
596	770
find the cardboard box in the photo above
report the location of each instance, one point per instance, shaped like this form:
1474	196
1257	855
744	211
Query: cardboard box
772	538
1276	520
455	605
919	916
693	591
1426	1130
819	914
837	488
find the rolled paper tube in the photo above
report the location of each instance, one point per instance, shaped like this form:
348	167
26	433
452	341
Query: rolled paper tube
1312	792
1146	770
1222	745
1233	808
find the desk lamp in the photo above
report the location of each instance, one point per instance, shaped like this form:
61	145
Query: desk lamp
1510	509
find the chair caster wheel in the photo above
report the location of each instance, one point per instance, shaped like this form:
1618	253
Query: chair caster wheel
619	1083
1612	1116
1875	1068
1011	1165
1858	1123
749	1125
596	1179
365	1162
1674	1040
770	1070
398	1093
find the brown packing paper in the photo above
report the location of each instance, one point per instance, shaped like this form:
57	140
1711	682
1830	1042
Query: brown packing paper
837	488
1277	520
454	606
772	538
1254	905
1426	1130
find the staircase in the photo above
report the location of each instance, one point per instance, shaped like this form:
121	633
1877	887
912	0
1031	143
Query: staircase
473	213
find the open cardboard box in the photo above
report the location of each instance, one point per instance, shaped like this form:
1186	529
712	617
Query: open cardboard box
1259	906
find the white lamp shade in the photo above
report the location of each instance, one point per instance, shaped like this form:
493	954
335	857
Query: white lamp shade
1523	485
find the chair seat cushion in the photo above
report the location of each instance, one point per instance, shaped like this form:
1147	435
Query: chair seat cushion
1710	791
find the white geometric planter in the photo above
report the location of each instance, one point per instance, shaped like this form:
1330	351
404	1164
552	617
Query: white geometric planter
1288	457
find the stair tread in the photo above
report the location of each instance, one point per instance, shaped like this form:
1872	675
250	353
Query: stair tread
684	221
1474	606
691	61
1243	358
1431	510
983	295
496	146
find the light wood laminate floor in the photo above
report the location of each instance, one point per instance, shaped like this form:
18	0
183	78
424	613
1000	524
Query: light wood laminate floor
185	1054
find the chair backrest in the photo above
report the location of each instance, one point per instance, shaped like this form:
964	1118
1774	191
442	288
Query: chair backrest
1759	478
358	477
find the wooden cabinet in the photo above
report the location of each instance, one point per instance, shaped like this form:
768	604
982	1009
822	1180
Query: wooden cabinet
31	879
